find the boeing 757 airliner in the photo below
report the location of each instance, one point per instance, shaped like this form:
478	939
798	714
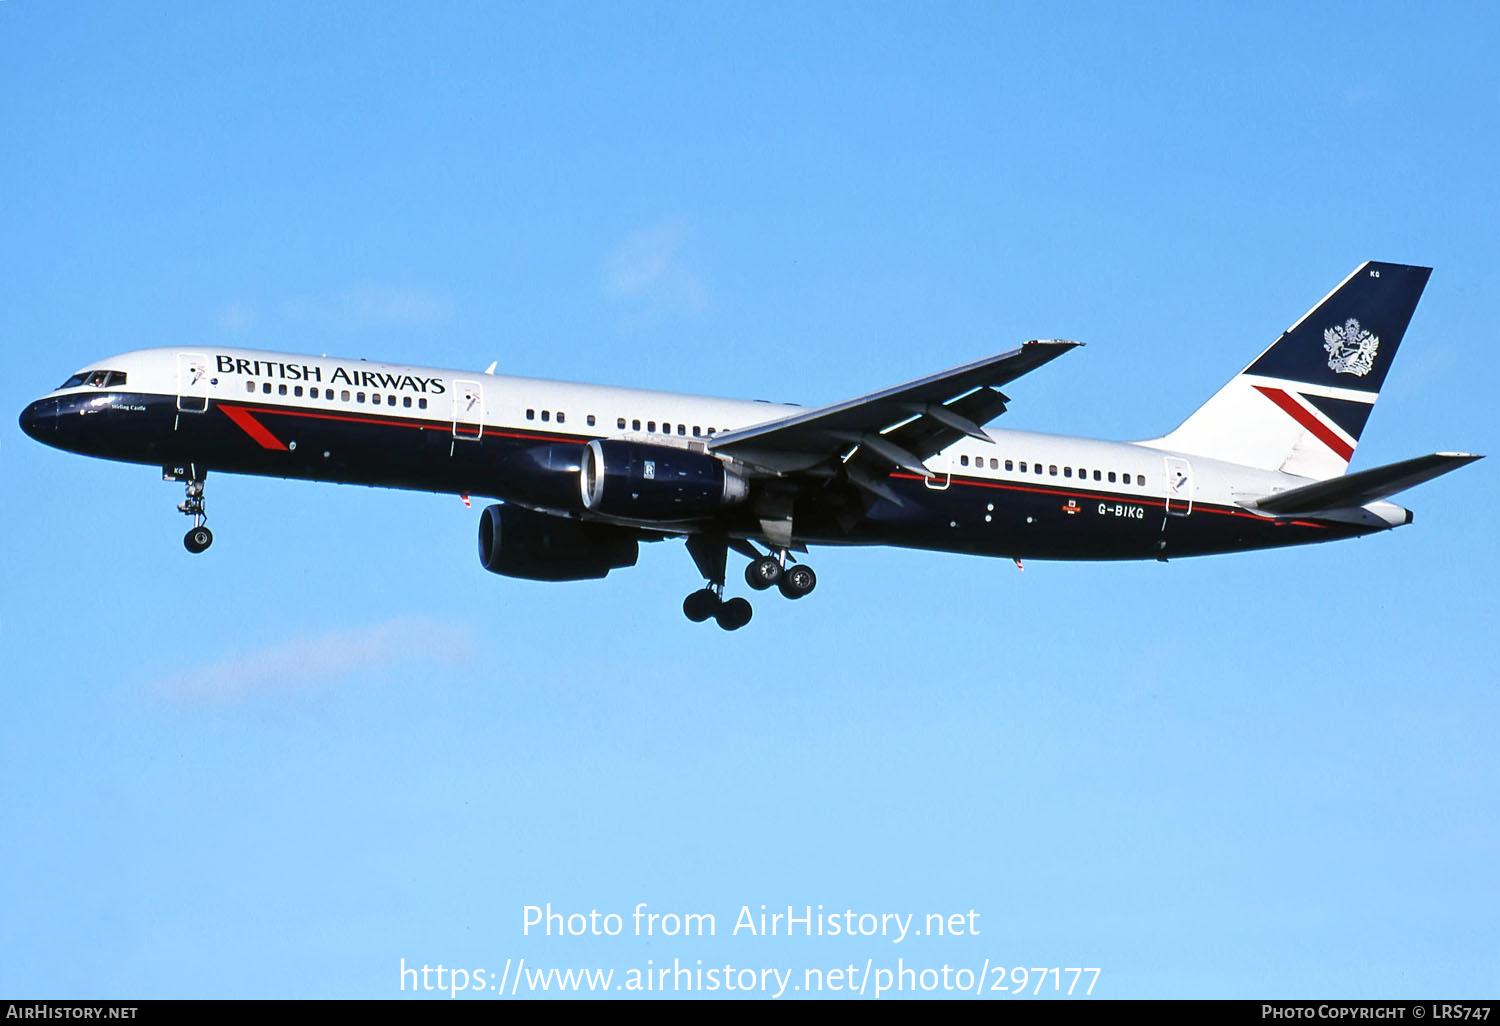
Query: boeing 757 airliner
585	473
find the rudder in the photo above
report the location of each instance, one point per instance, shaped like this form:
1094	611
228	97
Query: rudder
1301	405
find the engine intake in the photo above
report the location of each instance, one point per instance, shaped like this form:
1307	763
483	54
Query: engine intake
516	542
656	482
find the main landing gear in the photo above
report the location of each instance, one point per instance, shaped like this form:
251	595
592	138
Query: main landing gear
199	537
763	572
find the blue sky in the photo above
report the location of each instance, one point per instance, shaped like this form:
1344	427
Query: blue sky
335	742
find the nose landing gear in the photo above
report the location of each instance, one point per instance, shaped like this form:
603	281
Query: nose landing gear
199	537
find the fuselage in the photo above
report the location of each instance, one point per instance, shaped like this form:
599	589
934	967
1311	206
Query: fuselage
520	440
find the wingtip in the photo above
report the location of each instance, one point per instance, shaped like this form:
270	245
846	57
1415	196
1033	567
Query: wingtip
1053	342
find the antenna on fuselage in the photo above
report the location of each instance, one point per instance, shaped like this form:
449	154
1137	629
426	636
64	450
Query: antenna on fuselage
491	368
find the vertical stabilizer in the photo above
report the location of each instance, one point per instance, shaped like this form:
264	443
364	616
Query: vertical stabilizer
1301	405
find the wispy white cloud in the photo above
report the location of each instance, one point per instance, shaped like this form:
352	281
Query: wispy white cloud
370	305
302	664
237	318
650	269
1362	91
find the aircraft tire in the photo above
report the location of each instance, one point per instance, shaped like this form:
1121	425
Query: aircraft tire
734	614
198	539
700	605
798	581
763	573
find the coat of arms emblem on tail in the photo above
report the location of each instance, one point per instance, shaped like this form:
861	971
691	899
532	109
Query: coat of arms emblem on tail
1351	349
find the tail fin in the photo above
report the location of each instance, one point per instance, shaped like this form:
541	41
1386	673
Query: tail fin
1301	405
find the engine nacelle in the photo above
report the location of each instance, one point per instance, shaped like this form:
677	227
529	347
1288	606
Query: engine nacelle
516	542
656	482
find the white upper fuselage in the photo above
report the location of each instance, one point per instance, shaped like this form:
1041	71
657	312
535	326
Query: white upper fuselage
503	403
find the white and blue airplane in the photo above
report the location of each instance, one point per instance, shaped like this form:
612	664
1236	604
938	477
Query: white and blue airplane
584	473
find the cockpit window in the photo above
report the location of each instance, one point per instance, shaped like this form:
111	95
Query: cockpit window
95	379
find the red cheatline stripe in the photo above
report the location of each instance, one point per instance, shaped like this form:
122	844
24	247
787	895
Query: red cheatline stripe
1307	420
252	427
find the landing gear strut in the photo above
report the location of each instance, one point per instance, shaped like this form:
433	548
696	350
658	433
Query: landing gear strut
198	537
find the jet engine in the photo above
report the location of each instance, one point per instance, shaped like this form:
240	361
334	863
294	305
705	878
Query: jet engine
656	482
516	542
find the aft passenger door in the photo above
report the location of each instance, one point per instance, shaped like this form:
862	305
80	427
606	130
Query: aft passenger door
1179	486
192	382
468	410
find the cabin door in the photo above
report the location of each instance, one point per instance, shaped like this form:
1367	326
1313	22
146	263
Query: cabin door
468	410
192	382
1179	486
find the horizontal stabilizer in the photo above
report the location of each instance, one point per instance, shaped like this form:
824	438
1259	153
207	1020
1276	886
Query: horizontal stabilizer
1365	486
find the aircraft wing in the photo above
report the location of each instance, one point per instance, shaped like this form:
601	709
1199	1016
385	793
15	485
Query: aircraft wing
896	427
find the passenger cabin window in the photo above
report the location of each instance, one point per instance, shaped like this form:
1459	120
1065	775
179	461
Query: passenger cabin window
1140	479
620	424
249	386
422	403
406	401
266	388
1067	471
591	420
531	415
344	395
651	426
682	429
281	389
359	397
635	425
963	461
546	416
1111	477
697	431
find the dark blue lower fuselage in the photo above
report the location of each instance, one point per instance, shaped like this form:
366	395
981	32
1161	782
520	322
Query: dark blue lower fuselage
980	515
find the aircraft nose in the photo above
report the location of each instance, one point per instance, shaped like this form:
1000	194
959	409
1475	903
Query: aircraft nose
40	419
